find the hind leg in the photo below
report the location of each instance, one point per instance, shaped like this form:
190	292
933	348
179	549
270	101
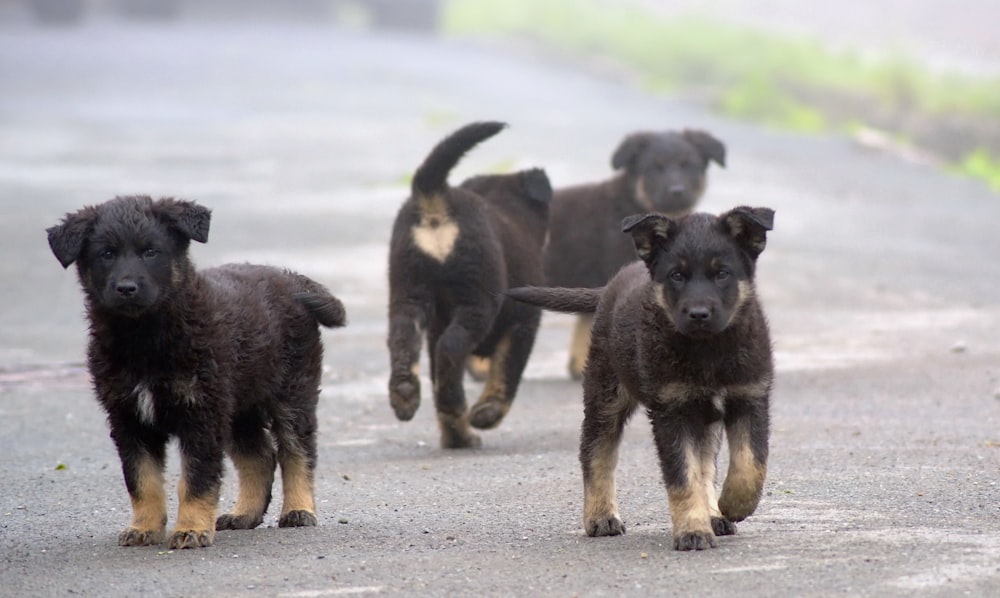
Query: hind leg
451	350
506	368
580	345
294	429
406	324
253	456
606	410
709	456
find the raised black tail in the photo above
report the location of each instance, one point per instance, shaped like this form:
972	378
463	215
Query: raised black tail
573	301
432	176
327	309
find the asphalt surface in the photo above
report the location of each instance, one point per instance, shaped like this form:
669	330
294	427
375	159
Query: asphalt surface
880	282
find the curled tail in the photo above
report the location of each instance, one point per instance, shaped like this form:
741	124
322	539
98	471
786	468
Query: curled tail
432	175
574	301
327	309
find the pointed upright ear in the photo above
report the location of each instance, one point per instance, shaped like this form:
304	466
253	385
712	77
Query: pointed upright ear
629	149
649	233
536	185
66	239
749	226
186	217
709	147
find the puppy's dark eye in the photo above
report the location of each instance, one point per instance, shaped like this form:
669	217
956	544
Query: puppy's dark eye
721	275
150	253
107	254
677	276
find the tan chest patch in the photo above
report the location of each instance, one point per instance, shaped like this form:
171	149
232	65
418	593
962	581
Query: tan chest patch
436	233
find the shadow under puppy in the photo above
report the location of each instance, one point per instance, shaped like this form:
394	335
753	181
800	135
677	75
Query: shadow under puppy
661	172
454	251
681	334
225	359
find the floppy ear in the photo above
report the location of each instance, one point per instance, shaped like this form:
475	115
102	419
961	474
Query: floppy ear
749	226
709	147
66	239
536	185
649	233
629	149
185	217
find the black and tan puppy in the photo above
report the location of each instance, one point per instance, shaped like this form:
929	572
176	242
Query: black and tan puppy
454	251
660	173
681	334
226	359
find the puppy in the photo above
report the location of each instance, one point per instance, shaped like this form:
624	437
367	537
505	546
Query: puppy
226	360
681	334
660	172
453	253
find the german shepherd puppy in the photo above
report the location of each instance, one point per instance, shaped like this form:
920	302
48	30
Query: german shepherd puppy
661	172
681	334
226	359
453	253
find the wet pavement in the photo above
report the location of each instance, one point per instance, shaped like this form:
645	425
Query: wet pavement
879	281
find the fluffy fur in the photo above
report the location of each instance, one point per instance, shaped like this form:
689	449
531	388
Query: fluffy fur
453	252
682	335
226	359
661	172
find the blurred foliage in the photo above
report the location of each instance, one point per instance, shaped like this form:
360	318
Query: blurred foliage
982	165
783	81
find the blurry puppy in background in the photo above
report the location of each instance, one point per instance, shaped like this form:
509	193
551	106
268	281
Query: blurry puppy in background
660	172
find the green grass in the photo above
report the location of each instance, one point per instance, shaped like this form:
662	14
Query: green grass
981	165
782	81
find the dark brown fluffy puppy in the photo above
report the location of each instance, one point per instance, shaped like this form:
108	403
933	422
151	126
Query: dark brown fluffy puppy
680	333
226	359
454	251
660	172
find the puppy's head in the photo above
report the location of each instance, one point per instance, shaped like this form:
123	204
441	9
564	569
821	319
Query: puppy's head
702	266
667	170
130	252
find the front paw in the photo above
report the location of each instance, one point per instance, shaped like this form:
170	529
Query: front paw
191	538
140	537
737	506
230	521
694	541
404	395
300	518
605	526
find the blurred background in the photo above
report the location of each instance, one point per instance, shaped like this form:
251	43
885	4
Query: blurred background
920	78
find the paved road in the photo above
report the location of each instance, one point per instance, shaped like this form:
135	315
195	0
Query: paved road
880	281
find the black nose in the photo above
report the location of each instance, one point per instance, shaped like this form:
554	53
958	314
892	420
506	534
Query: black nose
699	314
127	288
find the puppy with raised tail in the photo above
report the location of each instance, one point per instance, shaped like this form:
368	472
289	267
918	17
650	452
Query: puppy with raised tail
681	334
453	252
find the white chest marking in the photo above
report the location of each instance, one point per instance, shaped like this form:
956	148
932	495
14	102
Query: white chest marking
435	237
144	404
